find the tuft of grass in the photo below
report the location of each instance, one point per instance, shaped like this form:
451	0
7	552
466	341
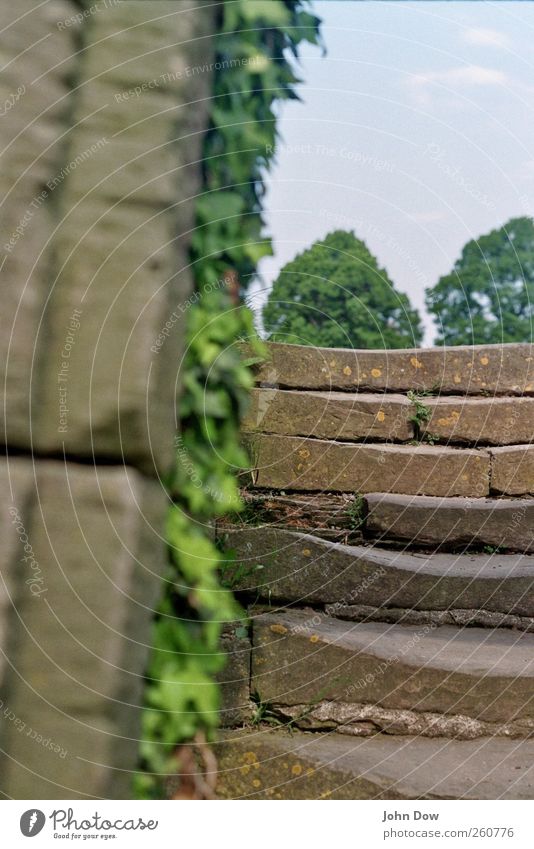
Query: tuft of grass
263	712
356	512
232	575
422	413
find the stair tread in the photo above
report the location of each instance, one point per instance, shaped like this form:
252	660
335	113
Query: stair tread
474	651
263	763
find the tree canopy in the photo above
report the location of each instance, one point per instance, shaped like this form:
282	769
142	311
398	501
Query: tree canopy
334	294
488	296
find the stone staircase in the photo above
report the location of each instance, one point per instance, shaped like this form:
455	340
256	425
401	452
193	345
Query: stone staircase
384	557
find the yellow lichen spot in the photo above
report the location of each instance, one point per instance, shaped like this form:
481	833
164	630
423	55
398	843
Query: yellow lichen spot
332	363
484	360
376	372
314	638
245	769
250	758
310	770
449	420
256	782
416	363
347	370
457	378
306	552
296	769
465	477
380	416
304	453
279	629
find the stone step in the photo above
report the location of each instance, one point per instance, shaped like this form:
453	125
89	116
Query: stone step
388	416
274	764
330	415
281	565
452	522
290	462
512	469
306	657
487	421
463	369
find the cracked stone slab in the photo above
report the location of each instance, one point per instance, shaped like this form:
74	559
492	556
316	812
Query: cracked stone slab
364	720
464	618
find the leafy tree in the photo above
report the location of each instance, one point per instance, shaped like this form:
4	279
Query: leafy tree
335	295
489	294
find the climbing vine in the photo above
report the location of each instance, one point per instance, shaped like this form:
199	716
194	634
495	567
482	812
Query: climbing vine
254	72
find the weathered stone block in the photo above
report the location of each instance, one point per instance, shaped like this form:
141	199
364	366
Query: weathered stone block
16	490
286	462
38	61
512	470
304	657
79	647
329	415
492	421
463	369
234	681
451	522
122	245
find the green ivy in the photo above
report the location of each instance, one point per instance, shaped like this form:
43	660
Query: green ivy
252	47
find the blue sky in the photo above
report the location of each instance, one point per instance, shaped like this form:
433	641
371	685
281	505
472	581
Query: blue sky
416	130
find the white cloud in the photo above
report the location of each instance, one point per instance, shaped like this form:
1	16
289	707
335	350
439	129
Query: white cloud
468	75
423	86
485	37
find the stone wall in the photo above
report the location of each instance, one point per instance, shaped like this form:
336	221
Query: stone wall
386	557
100	147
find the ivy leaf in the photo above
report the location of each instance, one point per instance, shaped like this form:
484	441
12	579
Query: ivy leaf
264	11
219	205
